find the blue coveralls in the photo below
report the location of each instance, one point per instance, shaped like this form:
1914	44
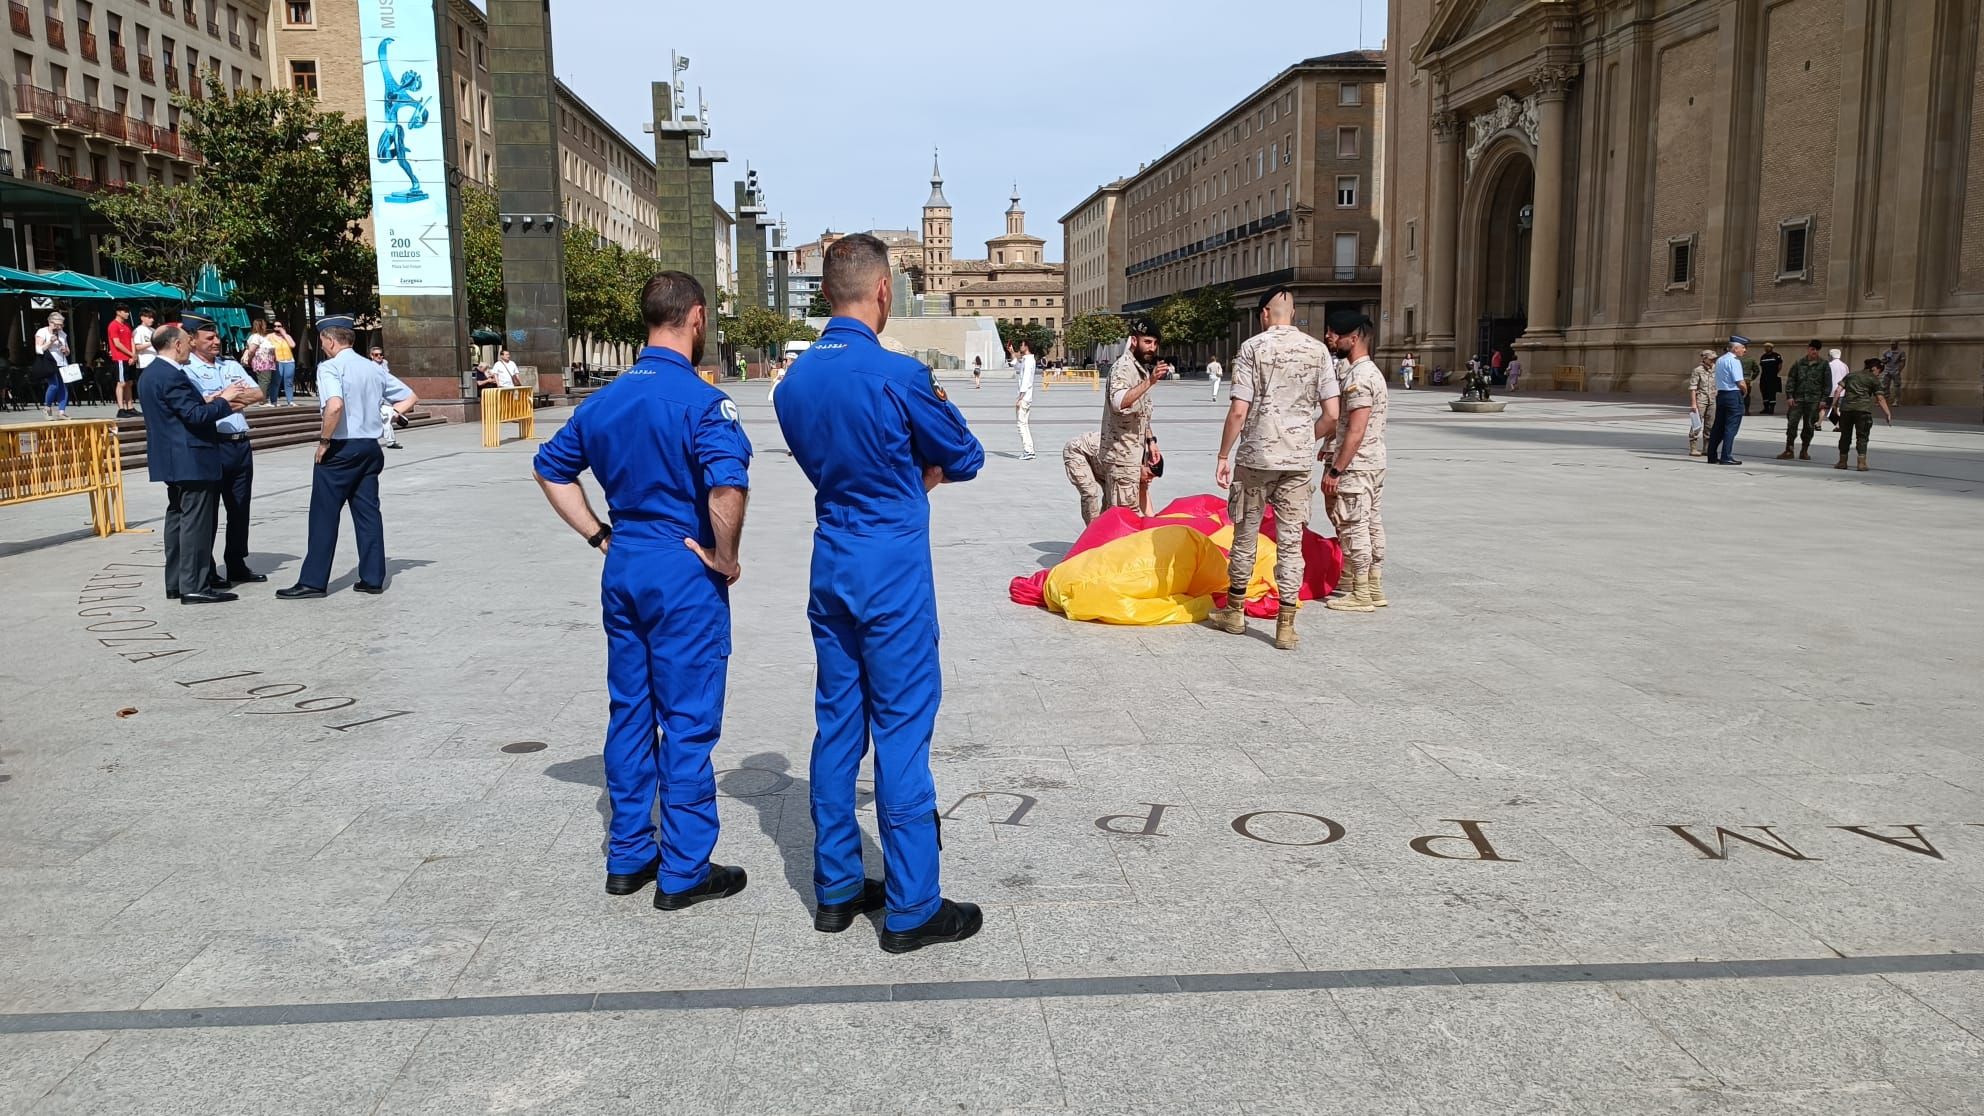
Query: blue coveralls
863	423
657	440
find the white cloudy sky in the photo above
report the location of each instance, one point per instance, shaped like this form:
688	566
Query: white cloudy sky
834	107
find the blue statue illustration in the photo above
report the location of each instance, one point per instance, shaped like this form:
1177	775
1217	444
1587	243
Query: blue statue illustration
400	94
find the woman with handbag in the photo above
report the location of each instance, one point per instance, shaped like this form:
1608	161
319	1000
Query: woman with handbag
54	363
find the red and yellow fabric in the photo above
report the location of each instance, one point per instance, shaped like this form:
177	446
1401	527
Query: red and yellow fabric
1169	568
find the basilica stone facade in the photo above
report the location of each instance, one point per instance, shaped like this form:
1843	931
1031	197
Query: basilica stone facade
1612	184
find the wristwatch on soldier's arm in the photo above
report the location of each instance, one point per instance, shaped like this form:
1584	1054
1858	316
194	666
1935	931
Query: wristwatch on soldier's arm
604	533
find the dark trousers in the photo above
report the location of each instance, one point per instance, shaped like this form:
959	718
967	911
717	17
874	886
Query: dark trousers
191	512
1855	426
1728	417
348	474
237	486
1802	422
1770	389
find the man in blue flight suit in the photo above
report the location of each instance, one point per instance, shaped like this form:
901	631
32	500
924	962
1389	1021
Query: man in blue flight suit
183	451
874	434
671	459
348	461
211	375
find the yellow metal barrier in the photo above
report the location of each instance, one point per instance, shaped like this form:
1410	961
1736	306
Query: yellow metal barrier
501	405
42	460
1567	375
1070	375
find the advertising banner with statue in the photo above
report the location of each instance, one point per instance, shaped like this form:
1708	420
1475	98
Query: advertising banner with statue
403	117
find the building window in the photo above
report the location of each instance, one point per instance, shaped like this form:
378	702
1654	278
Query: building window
1346	191
1287	149
299	13
1274	154
1794	250
1411	243
1411	329
1680	262
1347	143
1349	93
303	76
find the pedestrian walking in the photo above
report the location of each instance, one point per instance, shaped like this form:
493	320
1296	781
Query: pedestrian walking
1283	398
1856	396
1515	372
1806	393
118	336
283	347
1838	369
672	461
1701	403
1023	368
55	363
1771	367
212	375
1214	372
349	460
183	452
1126	409
1729	383
1893	360
1354	480
874	435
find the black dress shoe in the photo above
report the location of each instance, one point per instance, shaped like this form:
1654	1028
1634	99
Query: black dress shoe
832	918
375	590
172	594
953	922
1730	461
627	883
722	883
296	592
209	597
246	577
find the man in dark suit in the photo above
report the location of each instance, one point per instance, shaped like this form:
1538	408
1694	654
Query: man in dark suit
183	451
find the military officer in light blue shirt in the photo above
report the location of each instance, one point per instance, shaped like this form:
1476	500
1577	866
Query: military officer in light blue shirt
349	460
211	374
1728	403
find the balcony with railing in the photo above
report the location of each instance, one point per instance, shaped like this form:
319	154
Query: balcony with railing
145	72
74	115
234	39
255	47
165	7
58	35
7	163
20	19
111	124
195	88
32	102
172	79
119	61
166	142
87	40
192	20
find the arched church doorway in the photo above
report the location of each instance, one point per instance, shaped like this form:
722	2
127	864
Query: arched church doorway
1507	215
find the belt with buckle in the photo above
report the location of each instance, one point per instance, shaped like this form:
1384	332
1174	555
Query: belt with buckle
234	437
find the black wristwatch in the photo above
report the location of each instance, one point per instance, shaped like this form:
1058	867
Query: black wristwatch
1331	470
604	533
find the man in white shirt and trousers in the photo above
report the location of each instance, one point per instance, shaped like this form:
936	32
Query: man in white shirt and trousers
1215	372
1023	367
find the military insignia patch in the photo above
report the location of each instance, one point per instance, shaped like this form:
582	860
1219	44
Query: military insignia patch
938	388
729	410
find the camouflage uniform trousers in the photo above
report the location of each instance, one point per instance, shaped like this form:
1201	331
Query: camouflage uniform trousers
1804	417
1358	511
1854	426
1698	439
1081	474
1120	482
1252	492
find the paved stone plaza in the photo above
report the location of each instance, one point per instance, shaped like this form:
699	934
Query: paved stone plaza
310	857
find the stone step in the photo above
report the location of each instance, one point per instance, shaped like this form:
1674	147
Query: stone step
268	428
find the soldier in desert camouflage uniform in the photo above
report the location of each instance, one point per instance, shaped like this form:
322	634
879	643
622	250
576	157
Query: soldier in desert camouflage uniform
1082	458
1283	399
1354	481
1126	406
1701	401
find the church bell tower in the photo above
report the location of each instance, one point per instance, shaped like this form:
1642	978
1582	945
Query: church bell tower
937	277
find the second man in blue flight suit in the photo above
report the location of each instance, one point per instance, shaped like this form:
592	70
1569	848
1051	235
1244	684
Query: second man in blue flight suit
668	453
874	434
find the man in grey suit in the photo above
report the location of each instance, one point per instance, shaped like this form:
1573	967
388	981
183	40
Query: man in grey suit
183	451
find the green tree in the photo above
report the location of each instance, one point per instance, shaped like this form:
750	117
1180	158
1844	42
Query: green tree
1038	337
291	183
1088	332
590	282
819	307
757	328
482	252
166	232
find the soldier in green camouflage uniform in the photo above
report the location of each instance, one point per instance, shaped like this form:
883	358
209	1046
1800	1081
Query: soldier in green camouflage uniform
1857	394
1279	399
1809	384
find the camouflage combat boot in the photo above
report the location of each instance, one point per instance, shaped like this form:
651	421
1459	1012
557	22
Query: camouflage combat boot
1233	618
1284	628
1357	600
1842	460
1375	587
1805	453
1863	462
